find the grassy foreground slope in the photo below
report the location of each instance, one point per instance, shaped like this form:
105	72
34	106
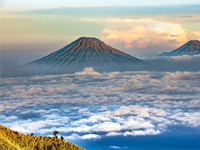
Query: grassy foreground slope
12	140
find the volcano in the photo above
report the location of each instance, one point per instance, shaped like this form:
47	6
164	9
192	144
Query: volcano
190	48
87	52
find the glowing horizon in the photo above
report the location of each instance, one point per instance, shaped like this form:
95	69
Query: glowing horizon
137	30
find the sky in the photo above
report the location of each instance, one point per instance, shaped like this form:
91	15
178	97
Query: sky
44	4
33	29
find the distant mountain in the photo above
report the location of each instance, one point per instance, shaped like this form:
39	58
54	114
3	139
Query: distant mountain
87	52
190	48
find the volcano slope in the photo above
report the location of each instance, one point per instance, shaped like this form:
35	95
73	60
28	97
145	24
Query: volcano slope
190	48
86	52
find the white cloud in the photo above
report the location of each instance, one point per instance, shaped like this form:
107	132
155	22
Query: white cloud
87	72
181	75
90	136
180	58
135	133
84	109
92	119
113	134
115	147
84	137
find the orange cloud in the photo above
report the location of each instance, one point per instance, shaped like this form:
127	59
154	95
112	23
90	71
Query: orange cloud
196	34
144	34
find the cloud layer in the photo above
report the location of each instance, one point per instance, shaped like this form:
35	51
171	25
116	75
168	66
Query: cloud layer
91	106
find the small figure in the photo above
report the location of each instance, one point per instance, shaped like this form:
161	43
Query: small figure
55	133
62	138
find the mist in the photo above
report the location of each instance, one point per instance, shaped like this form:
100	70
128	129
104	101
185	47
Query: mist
17	66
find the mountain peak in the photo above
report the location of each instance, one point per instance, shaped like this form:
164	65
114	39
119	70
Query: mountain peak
87	39
194	41
192	47
88	44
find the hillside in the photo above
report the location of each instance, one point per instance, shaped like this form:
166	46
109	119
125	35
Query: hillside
12	140
190	48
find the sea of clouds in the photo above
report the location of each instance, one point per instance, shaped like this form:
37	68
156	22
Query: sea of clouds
90	105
